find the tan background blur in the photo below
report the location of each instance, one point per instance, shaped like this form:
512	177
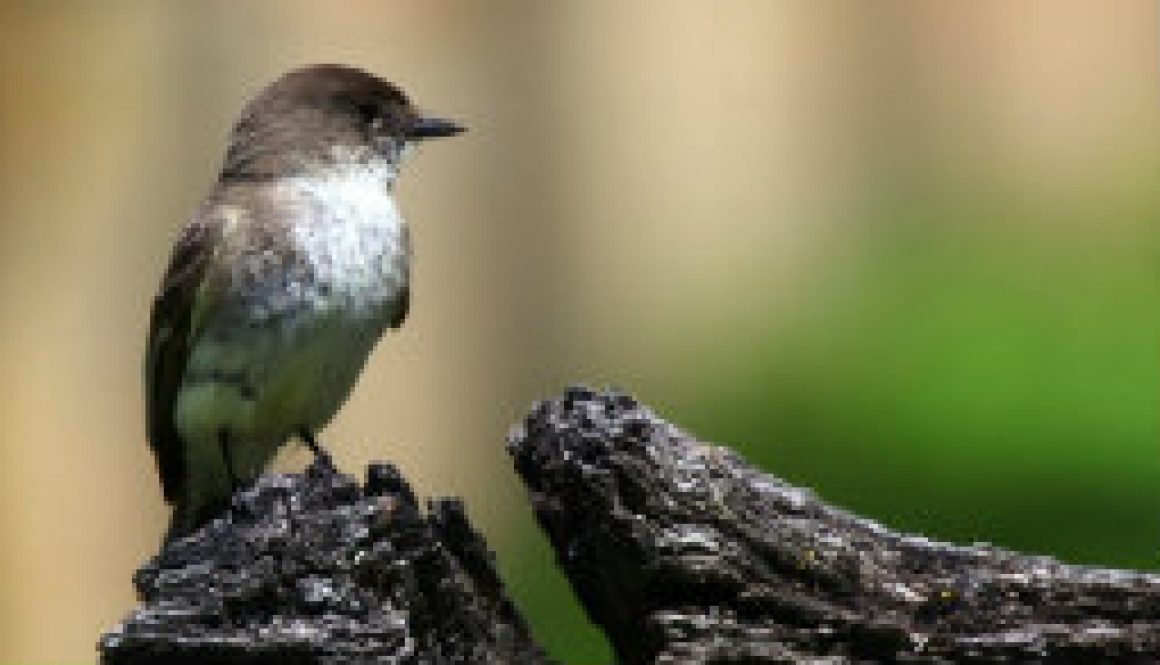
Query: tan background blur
652	194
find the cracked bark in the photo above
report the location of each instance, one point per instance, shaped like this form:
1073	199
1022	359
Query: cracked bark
680	550
313	568
684	553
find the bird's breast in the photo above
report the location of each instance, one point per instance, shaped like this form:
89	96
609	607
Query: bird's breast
353	245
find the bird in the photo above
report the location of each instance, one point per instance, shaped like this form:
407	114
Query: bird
281	283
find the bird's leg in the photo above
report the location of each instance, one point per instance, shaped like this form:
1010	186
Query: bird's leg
320	455
224	445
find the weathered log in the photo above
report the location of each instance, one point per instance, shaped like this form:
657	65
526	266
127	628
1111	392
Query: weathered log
313	568
684	553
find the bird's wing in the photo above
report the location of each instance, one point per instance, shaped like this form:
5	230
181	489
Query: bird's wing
403	302
402	308
172	329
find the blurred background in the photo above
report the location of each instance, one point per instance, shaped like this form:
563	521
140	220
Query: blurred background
905	253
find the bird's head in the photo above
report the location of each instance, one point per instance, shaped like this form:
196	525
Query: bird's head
325	115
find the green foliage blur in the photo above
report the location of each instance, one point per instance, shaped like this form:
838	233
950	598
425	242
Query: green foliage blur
975	385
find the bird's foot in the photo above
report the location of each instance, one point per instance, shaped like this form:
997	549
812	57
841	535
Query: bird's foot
325	463
227	458
322	458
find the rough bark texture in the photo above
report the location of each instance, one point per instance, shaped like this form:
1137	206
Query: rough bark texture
679	549
684	553
313	568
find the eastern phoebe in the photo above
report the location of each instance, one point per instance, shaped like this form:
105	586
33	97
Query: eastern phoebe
281	283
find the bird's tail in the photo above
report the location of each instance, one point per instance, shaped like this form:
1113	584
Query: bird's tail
189	516
180	523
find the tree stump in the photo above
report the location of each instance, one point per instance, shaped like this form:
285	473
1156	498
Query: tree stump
313	568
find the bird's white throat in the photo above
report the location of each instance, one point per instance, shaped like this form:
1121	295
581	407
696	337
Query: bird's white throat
353	236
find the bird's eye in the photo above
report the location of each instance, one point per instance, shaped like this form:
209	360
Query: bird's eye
368	111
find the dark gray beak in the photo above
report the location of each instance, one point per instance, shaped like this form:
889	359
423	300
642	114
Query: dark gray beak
428	127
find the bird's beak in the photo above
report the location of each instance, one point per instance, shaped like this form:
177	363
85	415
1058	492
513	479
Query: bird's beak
429	127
